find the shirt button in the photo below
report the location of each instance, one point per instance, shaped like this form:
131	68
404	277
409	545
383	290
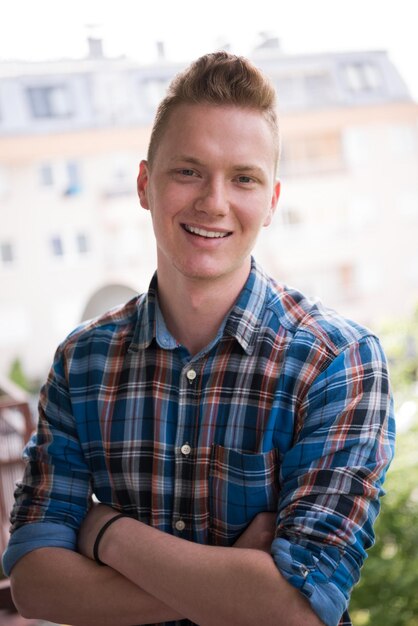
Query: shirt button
180	525
185	449
191	375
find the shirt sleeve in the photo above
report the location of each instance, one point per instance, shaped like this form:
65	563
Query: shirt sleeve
332	478
52	499
37	535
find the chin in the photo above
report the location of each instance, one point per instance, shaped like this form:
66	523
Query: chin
200	275
201	272
211	272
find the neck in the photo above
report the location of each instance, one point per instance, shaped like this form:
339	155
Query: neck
193	310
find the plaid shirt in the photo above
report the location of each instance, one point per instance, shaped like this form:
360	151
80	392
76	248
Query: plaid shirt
287	410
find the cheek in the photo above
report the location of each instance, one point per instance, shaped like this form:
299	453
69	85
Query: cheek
172	201
253	218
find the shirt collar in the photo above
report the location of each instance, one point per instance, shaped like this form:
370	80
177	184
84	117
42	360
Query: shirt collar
145	330
242	322
163	336
246	316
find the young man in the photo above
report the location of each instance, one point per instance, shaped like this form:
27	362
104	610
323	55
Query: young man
242	430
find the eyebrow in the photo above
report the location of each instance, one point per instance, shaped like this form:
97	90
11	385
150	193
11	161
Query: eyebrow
245	167
185	157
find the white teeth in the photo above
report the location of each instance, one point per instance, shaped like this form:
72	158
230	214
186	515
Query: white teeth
211	234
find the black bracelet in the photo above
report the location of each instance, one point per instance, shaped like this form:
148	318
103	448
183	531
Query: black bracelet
100	535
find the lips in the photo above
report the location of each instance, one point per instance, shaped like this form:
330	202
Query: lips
207	234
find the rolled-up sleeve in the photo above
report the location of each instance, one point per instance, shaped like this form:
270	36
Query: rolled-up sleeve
37	535
332	478
52	499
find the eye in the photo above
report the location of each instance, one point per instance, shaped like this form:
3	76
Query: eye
183	174
187	172
245	179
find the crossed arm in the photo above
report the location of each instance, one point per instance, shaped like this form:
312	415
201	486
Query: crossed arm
332	482
154	577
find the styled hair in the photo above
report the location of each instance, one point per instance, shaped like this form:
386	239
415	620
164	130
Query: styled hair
218	78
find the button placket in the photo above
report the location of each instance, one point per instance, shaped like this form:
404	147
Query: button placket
180	525
186	425
185	449
191	375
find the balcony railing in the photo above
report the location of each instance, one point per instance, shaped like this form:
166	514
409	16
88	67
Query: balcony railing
15	429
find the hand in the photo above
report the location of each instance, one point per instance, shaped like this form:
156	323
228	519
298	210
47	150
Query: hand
259	534
93	522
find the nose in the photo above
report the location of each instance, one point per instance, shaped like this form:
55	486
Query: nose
213	198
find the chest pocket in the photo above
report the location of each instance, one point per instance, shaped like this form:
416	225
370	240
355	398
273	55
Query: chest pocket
240	486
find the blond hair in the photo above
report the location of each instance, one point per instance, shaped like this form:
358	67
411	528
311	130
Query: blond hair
218	78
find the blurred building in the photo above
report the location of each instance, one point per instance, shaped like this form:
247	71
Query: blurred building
74	240
348	221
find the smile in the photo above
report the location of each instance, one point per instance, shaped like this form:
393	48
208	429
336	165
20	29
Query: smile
210	234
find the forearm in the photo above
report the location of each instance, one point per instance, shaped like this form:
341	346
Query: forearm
212	586
63	586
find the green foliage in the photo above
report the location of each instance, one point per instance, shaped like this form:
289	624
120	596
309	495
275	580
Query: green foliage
400	339
387	594
18	376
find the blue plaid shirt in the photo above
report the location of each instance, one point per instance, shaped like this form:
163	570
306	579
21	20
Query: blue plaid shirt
287	410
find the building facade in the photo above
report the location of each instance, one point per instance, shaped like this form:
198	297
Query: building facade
74	240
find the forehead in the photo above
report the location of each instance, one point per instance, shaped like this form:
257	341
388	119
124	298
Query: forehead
218	131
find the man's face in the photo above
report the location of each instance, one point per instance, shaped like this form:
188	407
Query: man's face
210	189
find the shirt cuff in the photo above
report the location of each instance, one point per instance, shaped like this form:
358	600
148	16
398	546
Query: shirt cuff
314	573
37	535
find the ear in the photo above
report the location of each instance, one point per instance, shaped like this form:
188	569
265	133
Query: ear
273	204
142	184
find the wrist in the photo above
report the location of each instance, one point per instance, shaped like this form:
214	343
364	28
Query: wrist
115	539
100	542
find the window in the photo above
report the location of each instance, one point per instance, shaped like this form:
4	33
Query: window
362	77
46	176
73	179
82	243
6	253
63	176
51	101
57	247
